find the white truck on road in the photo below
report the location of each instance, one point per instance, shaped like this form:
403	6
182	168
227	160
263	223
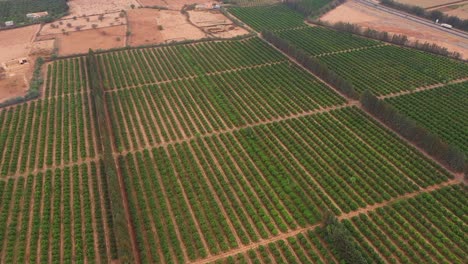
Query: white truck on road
446	26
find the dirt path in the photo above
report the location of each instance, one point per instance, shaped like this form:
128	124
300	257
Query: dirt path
446	4
282	236
351	50
424	88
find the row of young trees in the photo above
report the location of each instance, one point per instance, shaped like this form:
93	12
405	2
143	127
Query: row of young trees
409	129
432	15
397	39
312	64
120	225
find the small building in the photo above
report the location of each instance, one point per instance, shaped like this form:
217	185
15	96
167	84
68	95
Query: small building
37	15
9	23
23	61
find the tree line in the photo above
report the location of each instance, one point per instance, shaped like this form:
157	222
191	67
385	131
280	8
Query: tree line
312	64
432	144
341	241
119	219
397	39
431	15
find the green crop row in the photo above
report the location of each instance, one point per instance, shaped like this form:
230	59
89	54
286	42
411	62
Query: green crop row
47	132
442	111
318	40
186	108
389	69
275	17
143	66
429	228
56	216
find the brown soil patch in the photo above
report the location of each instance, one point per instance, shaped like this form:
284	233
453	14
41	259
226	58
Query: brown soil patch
174	4
425	3
81	41
175	27
12	86
143	24
369	17
83	23
216	24
16	43
459	10
92	7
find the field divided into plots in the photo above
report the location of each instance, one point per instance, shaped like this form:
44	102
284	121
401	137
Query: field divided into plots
367	64
390	69
45	133
216	193
442	111
143	66
429	228
55	217
219	145
66	77
177	110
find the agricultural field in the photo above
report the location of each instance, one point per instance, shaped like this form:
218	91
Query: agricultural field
442	111
429	228
142	66
186	108
56	216
222	151
276	17
390	69
265	180
319	41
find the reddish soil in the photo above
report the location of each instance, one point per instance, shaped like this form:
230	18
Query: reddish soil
92	7
215	24
174	4
144	27
369	17
16	43
81	41
175	27
425	3
83	23
459	10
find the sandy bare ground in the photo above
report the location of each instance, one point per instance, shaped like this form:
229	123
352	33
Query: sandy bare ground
81	41
366	16
216	24
83	23
425	3
175	27
459	10
143	24
174	4
16	43
92	7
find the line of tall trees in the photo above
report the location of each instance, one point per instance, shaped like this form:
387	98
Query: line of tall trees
432	144
341	240
431	15
396	39
120	225
312	64
307	9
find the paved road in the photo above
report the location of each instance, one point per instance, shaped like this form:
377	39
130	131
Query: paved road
416	19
